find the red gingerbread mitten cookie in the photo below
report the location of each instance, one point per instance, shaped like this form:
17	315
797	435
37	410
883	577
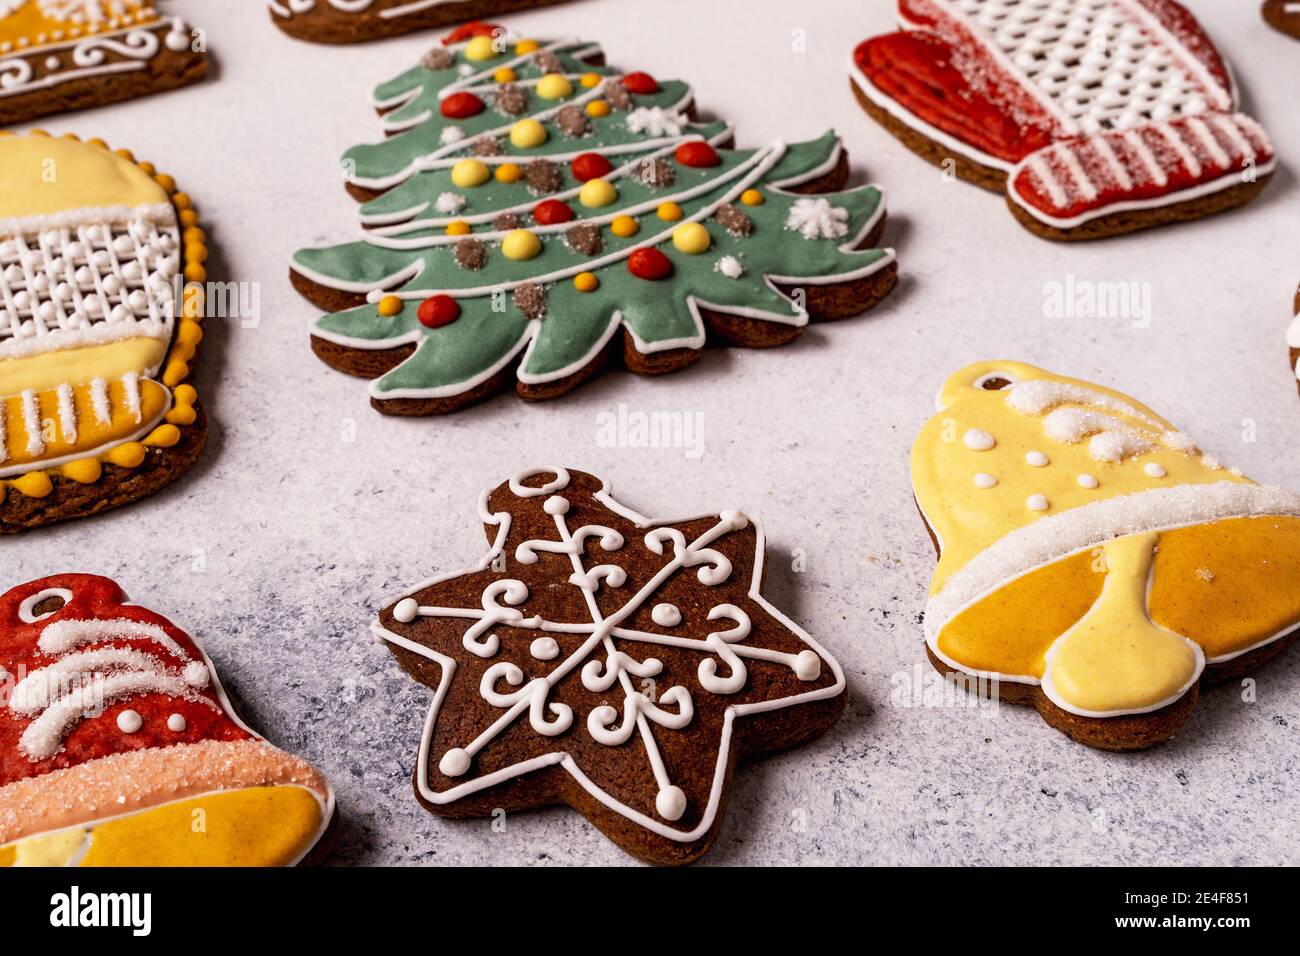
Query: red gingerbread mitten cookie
1284	15
355	21
606	661
1092	559
58	55
1098	117
101	258
118	746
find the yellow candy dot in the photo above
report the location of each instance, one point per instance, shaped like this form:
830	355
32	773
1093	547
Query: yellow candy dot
84	471
669	211
390	305
597	108
458	228
194	272
586	282
509	173
504	75
164	436
130	455
480	48
470	172
528	133
554	86
590	80
596	193
526	46
692	238
624	226
34	484
751	197
520	244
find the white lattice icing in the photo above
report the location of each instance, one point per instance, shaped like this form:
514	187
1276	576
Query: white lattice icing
79	283
1095	65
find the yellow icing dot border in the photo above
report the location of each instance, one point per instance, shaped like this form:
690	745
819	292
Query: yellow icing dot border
176	368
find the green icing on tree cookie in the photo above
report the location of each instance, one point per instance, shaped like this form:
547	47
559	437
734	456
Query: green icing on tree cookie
436	230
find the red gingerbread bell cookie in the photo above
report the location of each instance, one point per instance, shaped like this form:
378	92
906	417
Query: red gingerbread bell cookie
118	746
1098	117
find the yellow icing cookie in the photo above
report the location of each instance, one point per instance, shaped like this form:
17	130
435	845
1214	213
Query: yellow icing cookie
1089	545
93	352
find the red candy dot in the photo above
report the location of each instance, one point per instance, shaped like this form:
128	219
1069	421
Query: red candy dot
641	83
696	153
475	28
461	106
590	166
439	310
548	212
649	264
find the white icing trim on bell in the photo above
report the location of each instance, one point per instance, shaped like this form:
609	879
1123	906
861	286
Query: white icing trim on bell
670	801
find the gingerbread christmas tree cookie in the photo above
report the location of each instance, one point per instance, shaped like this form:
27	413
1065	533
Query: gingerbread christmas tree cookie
118	746
354	21
606	661
58	55
1097	117
97	329
535	217
1092	559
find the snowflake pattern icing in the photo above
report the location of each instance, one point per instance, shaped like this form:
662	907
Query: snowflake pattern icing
608	663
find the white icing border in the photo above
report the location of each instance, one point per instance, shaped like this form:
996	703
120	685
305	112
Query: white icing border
447	667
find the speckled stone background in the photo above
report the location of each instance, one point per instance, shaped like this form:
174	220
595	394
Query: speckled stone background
309	508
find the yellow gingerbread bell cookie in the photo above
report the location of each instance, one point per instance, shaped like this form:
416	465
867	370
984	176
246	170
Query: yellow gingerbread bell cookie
1092	559
118	746
101	261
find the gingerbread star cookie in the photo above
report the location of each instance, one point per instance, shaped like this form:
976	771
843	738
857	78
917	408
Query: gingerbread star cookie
1092	559
1097	117
1283	15
118	746
58	55
355	21
535	217
606	661
96	252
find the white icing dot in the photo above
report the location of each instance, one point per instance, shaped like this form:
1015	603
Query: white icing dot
177	723
807	665
129	721
985	480
454	762
671	803
196	674
544	649
556	505
978	440
405	610
1036	503
1154	469
1087	481
1037	459
666	615
374	295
